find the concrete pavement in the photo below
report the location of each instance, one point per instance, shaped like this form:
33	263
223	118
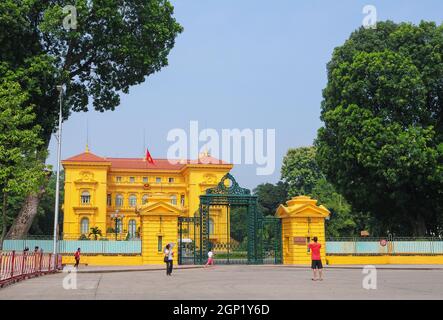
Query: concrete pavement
235	282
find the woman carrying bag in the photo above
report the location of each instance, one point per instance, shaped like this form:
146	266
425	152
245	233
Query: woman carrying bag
169	259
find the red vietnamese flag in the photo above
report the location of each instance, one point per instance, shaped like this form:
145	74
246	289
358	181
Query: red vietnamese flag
148	157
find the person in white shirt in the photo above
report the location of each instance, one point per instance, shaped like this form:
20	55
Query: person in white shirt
210	259
169	259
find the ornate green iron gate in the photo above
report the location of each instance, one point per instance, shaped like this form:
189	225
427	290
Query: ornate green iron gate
213	228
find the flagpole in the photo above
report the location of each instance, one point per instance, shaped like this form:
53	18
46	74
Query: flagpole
57	184
144	141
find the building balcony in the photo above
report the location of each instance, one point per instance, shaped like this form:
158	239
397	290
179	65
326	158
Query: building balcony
152	185
85	209
122	209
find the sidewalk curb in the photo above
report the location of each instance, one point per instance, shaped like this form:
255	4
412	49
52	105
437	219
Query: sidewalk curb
378	267
130	270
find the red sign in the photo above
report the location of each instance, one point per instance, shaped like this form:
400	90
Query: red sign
300	240
383	243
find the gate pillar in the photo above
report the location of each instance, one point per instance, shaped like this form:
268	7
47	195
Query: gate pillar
159	223
302	220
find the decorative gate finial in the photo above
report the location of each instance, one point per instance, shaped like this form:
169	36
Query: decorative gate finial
228	186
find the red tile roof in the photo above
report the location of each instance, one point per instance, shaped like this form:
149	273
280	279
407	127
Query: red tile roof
86	157
140	163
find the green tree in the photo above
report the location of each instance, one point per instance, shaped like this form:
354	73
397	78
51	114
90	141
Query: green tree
116	44
270	196
239	223
343	222
300	171
43	223
20	170
381	144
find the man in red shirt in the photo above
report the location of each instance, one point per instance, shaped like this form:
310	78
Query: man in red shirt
77	258
316	259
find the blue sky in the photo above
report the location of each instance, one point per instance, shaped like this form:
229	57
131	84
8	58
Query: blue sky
238	64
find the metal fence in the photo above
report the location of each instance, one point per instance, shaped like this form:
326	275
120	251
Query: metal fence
384	246
334	246
17	266
132	247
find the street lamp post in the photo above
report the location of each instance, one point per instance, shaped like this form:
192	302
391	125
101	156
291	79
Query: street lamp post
117	217
57	187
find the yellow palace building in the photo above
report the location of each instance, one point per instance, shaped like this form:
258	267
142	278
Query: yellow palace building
99	189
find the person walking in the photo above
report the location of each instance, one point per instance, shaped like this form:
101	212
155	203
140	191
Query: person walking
77	258
210	259
169	259
316	265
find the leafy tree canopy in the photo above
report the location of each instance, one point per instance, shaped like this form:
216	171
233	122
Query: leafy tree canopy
116	44
381	144
20	168
270	196
113	45
300	171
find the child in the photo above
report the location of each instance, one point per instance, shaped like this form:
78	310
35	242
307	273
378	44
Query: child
210	259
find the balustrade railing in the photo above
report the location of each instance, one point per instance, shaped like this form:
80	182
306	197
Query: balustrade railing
16	266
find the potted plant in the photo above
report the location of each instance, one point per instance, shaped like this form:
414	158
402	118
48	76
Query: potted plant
95	231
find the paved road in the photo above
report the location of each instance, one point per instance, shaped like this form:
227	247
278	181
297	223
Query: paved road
233	282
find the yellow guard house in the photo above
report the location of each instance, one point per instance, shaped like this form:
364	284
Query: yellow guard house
97	188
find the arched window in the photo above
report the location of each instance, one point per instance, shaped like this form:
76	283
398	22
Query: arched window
119	226
132	227
132	200
174	199
85	197
84	226
145	199
211	227
119	200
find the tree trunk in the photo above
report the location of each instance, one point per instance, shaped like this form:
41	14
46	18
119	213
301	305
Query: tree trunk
28	211
4	220
23	222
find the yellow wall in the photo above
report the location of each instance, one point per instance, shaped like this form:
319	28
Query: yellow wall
81	177
294	252
100	260
157	223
